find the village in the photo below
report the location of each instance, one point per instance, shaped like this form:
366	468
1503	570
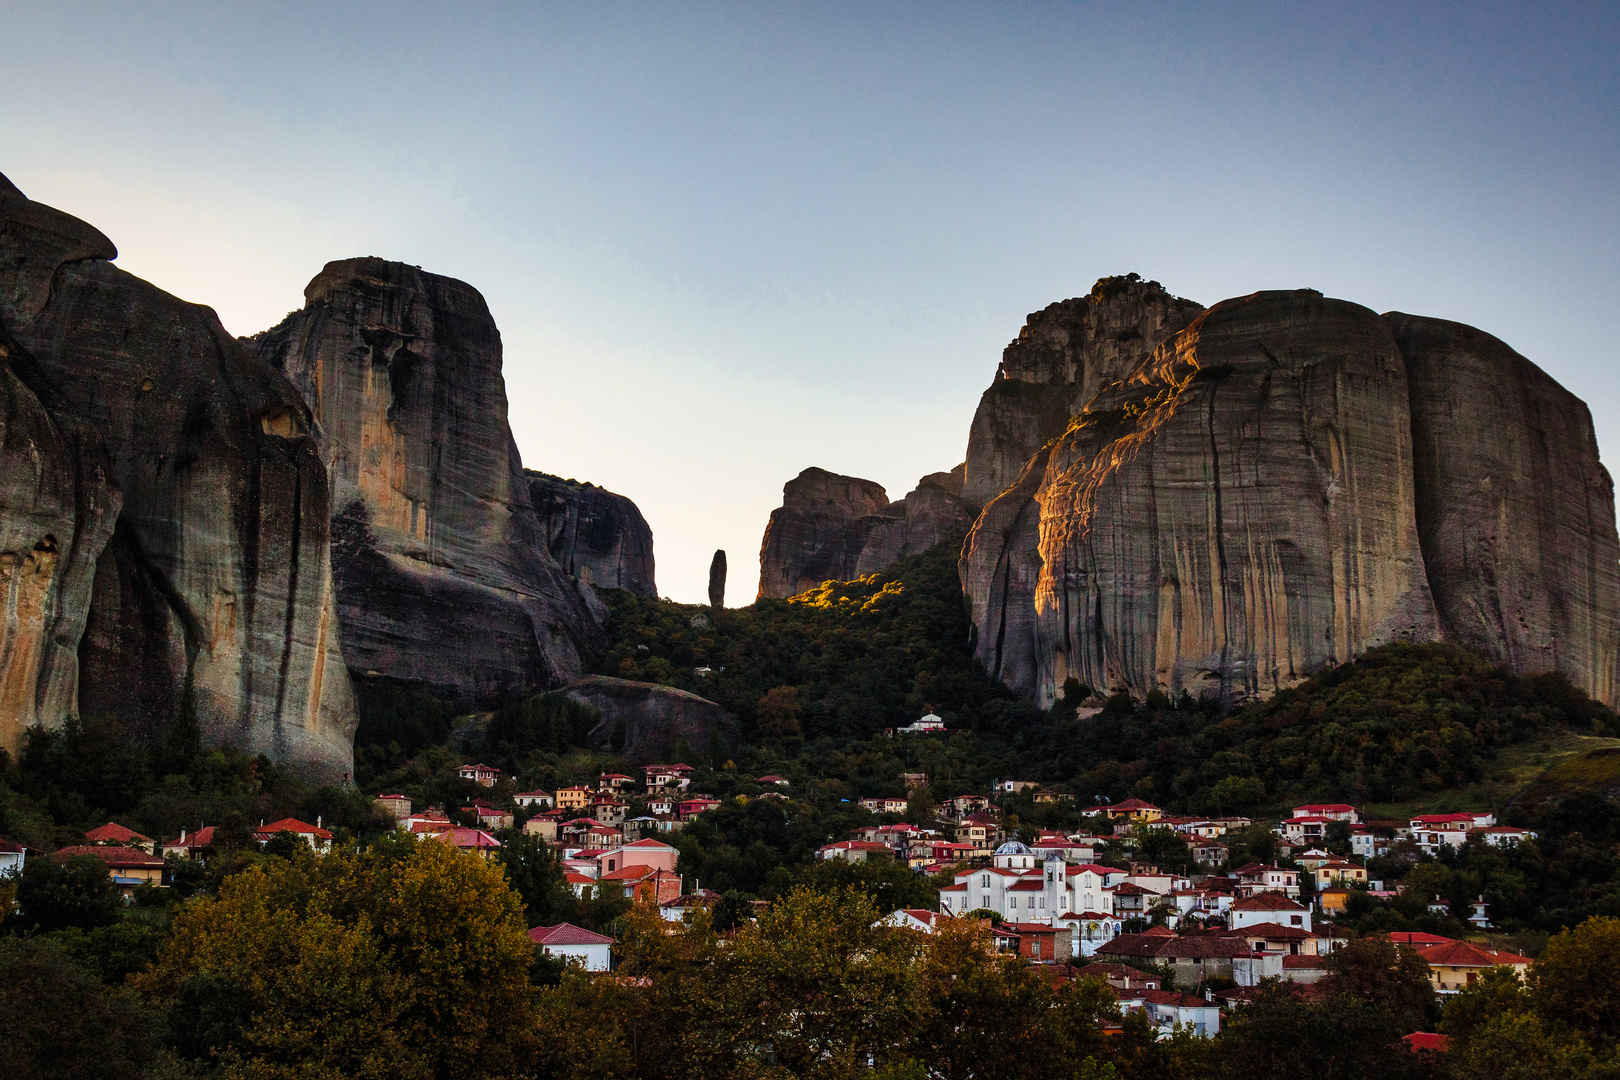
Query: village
1054	899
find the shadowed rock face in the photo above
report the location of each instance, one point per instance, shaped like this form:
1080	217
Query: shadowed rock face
444	577
1287	482
837	528
593	534
1233	517
717	580
1061	358
654	718
142	420
1515	512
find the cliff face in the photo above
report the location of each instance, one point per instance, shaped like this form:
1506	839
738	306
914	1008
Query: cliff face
443	577
653	719
1061	358
594	535
1515	511
133	415
1289	481
832	527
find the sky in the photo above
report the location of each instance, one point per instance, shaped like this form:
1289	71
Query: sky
727	242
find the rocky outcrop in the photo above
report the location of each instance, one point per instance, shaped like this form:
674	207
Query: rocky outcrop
1061	358
652	719
1515	512
134	415
444	579
717	580
1231	518
593	534
1287	482
837	528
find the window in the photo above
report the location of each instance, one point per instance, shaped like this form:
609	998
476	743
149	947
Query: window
1035	954
984	882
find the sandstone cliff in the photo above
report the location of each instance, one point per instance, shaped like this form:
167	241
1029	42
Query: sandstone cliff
1515	511
444	578
652	718
832	527
1285	483
593	534
163	512
1061	358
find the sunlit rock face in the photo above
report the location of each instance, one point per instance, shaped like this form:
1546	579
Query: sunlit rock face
838	528
1289	481
444	576
1061	358
1515	512
593	534
163	513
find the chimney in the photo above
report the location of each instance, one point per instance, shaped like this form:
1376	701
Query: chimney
317	821
182	834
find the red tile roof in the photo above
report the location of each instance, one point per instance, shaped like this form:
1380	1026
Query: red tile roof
1427	1040
114	833
566	934
1462	954
113	856
288	824
1266	901
1170	997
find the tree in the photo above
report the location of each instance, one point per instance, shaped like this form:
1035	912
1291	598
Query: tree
1573	982
535	874
1497	992
1520	1046
1280	1037
778	712
60	1021
54	895
401	961
974	1004
1237	793
1378	971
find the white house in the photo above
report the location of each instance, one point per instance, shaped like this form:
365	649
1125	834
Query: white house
11	858
1090	929
1168	1009
1269	908
1331	811
931	722
593	952
530	799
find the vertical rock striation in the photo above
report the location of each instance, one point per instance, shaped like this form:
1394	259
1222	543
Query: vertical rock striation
593	534
214	591
444	578
837	528
1515	511
1061	358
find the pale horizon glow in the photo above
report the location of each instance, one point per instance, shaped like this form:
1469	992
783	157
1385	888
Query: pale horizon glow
725	243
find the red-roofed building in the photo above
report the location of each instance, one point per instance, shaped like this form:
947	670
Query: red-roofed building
477	841
659	856
193	845
593	952
1331	811
1262	877
1133	810
916	919
1169	1010
687	809
855	851
318	839
772	778
1458	964
114	833
614	781
480	774
641	882
12	856
1427	1040
1269	907
1042	943
129	867
395	806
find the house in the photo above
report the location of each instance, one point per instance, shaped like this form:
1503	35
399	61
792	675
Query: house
1042	943
318	839
577	797
476	841
659	777
973	832
1431	832
593	952
962	805
1262	877
614	781
682	908
1134	901
482	775
129	867
1340	872
772	778
396	806
188	845
608	810
649	853
114	833
640	882
1310	829
1269	907
1169	1010
917	919
687	809
884	805
543	825
661	805
1198	955
11	858
1120	976
529	800
1334	900
1210	852
1013	787
855	851
488	817
1457	964
1501	835
914	780
931	722
579	882
1047	797
1331	811
1133	810
1366	844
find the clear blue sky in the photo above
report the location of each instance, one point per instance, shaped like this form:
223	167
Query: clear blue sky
727	242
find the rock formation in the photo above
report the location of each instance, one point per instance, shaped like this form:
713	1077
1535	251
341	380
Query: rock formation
654	718
444	578
838	528
717	581
1515	512
163	513
593	534
1064	354
1289	481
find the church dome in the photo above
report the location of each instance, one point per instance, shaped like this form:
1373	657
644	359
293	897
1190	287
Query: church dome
1013	847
